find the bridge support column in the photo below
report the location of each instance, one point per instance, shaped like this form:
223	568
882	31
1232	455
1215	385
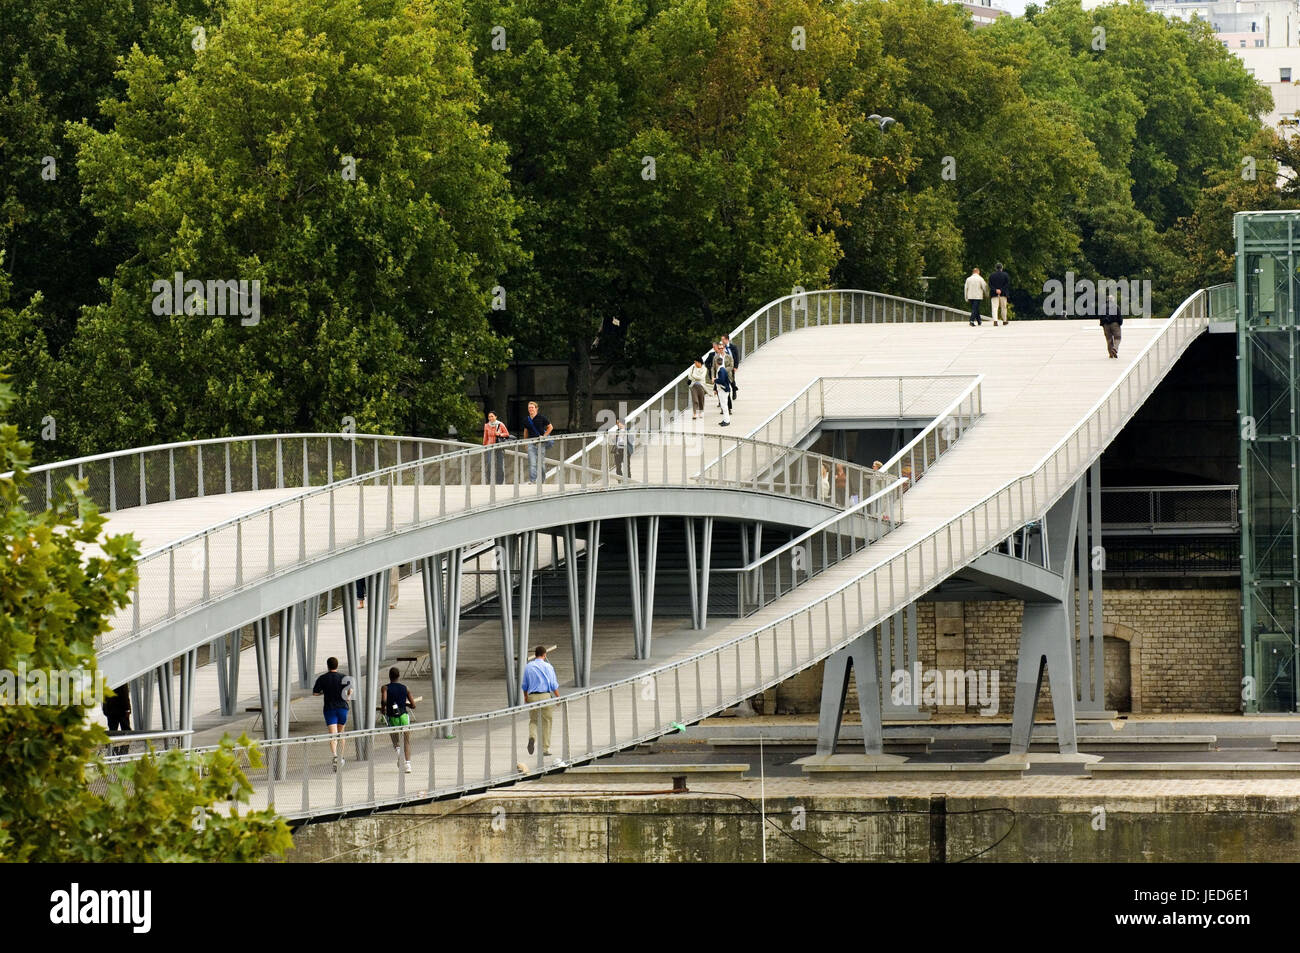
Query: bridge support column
284	693
589	600
142	702
527	564
451	613
505	584
376	642
166	700
900	649
861	655
434	623
1091	673
300	645
188	662
575	614
691	573
1047	639
634	584
702	590
225	650
262	649
643	587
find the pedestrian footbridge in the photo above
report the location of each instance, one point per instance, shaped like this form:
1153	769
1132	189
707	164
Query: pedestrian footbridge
272	532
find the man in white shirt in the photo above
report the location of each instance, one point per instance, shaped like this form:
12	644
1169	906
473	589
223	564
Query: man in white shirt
976	289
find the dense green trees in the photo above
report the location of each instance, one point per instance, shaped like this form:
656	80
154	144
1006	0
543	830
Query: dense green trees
423	187
54	601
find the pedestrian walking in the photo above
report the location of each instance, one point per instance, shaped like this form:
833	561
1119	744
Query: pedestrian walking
336	689
397	703
494	432
535	425
824	482
734	352
361	593
976	289
624	445
540	683
722	386
117	710
719	363
698	377
393	591
999	288
1111	322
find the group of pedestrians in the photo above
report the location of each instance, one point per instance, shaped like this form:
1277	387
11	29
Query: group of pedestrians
496	433
395	705
998	287
717	372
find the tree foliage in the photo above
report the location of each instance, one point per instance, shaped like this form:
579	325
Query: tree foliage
59	583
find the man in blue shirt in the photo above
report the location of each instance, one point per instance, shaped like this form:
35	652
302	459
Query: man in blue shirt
540	683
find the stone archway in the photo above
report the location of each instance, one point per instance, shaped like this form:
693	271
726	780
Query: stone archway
1123	633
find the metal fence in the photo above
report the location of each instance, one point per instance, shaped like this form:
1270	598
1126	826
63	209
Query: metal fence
256	546
485	749
1160	510
194	468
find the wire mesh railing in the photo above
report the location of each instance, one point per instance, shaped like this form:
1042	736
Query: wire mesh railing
195	468
254	547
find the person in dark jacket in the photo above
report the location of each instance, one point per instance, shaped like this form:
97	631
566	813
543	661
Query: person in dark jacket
734	351
999	288
1111	322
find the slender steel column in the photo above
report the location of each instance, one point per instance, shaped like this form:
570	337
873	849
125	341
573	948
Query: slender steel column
651	559
634	583
299	638
455	580
1084	617
142	702
704	571
575	613
504	586
313	632
166	701
589	621
430	571
188	662
283	695
226	650
262	647
1098	634
694	580
527	563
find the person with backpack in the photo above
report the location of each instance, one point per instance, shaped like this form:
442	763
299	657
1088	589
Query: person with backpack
397	704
